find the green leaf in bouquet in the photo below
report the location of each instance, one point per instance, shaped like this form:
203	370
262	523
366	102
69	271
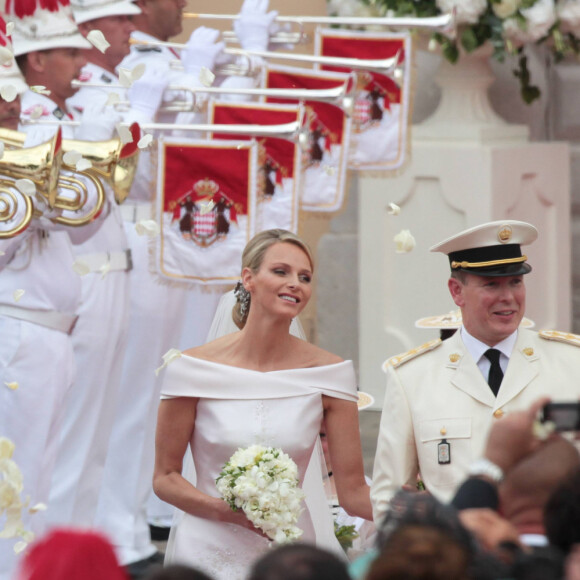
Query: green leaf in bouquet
528	91
469	39
450	51
345	535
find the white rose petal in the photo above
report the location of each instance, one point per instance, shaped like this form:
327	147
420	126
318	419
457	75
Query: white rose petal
26	186
466	11
37	112
40	89
6	56
138	72
207	207
83	164
8	93
124	134
72	157
1	149
171	355
20	547
506	8
404	242
98	40
329	170
39	507
81	268
9	28
18	294
125	78
145	141
13	386
206	77
394	209
149	228
112	99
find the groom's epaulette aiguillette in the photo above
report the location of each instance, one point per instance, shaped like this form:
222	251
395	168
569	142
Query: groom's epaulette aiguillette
558	336
398	360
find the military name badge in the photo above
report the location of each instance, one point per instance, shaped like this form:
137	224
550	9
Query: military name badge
443	452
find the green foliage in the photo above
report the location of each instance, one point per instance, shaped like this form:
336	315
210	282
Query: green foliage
345	535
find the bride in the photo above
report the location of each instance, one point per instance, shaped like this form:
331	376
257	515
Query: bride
264	386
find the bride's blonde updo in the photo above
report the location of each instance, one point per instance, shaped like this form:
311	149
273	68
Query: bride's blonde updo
252	258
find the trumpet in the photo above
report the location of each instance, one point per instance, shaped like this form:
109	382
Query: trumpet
76	209
444	23
16	209
343	95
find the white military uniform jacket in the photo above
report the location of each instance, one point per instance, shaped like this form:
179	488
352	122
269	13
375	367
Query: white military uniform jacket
437	392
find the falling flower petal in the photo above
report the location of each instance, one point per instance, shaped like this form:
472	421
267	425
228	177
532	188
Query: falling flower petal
404	242
6	56
394	209
40	89
145	141
432	46
105	269
83	164
37	112
1	149
168	357
543	430
20	547
39	507
81	268
206	77
112	99
98	40
124	134
72	157
18	294
13	386
149	228
138	71
8	93
26	186
125	77
329	170
206	207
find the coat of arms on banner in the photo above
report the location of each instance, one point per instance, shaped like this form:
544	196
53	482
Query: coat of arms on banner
206	203
279	160
326	157
381	116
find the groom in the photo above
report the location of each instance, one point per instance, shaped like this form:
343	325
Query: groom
442	398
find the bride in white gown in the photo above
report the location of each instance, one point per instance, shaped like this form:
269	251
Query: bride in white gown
257	386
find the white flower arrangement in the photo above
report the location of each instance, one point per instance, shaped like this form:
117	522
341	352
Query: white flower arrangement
508	25
263	482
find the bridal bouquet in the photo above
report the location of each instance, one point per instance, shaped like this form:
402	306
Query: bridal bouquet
263	482
508	25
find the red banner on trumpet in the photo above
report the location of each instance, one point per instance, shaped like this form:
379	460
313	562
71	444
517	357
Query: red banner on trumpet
381	119
279	160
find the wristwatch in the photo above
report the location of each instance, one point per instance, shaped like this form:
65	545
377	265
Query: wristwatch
485	467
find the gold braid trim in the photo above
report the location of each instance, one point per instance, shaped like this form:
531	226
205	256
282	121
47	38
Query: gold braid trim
455	265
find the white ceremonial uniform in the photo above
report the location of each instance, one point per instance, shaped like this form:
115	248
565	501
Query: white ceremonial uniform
36	361
33	103
436	392
157	315
99	342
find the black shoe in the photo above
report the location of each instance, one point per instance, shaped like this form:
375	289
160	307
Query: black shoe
141	568
159	533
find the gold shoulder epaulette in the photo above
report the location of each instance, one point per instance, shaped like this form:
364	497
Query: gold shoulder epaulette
397	361
567	337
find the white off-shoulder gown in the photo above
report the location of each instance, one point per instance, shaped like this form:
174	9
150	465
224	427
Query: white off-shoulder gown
238	408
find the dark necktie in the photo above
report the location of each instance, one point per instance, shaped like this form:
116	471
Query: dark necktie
495	373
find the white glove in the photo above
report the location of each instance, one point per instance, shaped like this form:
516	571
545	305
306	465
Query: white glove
201	50
97	121
146	94
253	26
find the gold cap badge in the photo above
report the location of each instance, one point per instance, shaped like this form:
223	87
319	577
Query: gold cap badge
505	234
528	351
454	357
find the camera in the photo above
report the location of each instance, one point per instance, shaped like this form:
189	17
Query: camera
565	416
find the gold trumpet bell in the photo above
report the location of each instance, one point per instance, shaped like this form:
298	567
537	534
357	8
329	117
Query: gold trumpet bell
113	160
15	210
41	164
14	139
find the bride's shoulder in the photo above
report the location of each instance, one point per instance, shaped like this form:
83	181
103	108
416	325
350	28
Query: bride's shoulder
212	351
318	357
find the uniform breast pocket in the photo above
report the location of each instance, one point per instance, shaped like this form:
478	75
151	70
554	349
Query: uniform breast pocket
445	450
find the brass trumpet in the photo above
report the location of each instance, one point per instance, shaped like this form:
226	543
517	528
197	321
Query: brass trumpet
11	200
76	211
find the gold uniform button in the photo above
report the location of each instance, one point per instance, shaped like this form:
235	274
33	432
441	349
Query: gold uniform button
498	414
443	431
454	357
529	351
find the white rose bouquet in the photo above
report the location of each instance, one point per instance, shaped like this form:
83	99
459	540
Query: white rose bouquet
263	482
508	25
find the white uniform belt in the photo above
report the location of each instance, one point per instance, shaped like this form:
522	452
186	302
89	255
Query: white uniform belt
49	318
116	261
135	212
